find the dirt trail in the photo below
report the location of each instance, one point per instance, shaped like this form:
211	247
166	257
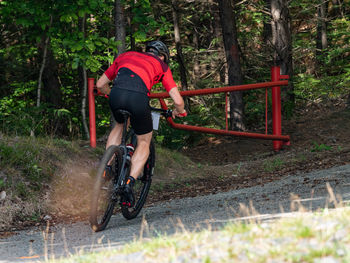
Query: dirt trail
300	192
227	175
320	139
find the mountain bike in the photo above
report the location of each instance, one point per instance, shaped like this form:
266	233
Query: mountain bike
109	187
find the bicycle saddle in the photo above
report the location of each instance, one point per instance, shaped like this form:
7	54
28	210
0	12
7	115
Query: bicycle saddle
124	113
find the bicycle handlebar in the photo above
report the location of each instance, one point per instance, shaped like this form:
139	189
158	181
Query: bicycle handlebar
166	113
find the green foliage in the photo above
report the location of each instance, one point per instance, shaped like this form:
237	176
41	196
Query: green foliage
171	138
207	111
329	76
255	107
27	24
41	120
320	147
58	21
256	57
311	88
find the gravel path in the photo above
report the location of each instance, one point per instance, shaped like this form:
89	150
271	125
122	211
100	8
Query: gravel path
267	201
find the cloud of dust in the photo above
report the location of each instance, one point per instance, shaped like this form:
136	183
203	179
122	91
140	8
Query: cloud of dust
71	191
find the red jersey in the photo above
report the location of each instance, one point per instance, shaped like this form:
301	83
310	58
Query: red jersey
147	66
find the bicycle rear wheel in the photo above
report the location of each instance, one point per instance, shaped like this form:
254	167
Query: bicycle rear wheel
142	186
103	199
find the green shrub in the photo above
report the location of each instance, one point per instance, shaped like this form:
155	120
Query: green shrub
320	147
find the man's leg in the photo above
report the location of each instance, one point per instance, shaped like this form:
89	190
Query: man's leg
115	135
114	138
140	155
138	161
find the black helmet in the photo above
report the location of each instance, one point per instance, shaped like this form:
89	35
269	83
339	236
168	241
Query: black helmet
158	48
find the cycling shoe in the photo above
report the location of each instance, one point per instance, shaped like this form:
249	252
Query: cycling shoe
129	193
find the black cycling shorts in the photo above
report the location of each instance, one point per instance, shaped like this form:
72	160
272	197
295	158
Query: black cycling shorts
128	93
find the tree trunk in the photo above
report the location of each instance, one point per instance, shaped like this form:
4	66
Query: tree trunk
282	44
217	32
119	26
196	66
120	34
229	32
130	25
321	39
38	98
83	84
43	65
196	54
51	85
83	103
179	55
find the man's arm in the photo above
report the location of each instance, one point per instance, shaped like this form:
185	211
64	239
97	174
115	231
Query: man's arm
102	84
179	110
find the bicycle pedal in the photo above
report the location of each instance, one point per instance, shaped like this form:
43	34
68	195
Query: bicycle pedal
107	173
128	204
124	202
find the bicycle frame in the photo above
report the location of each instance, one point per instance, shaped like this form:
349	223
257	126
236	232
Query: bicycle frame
126	163
108	191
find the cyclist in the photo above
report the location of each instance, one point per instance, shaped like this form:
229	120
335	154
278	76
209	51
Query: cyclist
133	75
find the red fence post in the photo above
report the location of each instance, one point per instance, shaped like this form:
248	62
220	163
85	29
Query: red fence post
91	97
276	107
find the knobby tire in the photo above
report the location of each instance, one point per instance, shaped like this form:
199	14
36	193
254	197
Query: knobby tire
102	205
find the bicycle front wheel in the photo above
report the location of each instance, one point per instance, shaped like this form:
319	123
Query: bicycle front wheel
142	186
103	198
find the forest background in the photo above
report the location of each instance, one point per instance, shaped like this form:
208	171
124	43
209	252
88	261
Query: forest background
48	49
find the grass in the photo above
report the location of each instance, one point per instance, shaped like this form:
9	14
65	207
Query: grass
303	237
45	175
173	171
273	165
27	168
166	159
297	237
170	168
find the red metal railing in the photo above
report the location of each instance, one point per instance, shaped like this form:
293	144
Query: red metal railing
276	107
277	137
92	117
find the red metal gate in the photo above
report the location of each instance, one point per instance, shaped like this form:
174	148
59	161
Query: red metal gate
275	84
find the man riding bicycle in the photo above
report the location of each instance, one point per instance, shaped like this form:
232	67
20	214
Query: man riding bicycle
134	74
